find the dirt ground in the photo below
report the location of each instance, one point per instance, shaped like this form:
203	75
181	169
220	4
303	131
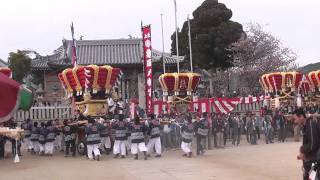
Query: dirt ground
260	162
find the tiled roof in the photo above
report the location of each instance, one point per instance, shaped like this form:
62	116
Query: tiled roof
100	52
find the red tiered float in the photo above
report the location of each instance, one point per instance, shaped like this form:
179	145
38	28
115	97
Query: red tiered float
90	86
314	80
179	88
286	86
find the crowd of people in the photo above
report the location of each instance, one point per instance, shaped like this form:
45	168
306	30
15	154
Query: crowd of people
122	135
153	135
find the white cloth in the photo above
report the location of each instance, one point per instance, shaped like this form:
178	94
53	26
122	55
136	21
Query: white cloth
58	142
186	147
41	148
35	146
93	148
105	143
49	148
128	143
28	143
119	147
138	147
154	142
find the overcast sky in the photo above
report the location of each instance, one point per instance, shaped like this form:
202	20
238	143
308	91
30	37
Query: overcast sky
41	24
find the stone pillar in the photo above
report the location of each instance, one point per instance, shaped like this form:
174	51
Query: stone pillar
141	91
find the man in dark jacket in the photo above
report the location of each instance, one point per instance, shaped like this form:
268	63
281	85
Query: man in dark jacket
34	138
311	141
187	136
154	133
93	139
121	130
26	126
51	133
202	129
137	132
69	133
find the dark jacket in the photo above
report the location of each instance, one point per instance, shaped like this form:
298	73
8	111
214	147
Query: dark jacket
93	134
154	130
104	130
187	132
42	135
202	128
137	132
121	130
69	132
50	133
311	139
27	129
35	132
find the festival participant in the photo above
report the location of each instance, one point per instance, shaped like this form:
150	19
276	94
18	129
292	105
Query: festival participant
59	142
282	126
202	130
93	139
154	133
251	130
26	126
214	129
258	124
42	138
137	131
51	132
34	138
220	132
268	129
187	135
310	149
69	133
104	135
119	146
236	124
78	116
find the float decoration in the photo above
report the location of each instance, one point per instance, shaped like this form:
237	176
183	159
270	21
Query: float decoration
179	87
90	86
281	84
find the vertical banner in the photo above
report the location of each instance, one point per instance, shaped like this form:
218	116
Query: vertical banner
147	54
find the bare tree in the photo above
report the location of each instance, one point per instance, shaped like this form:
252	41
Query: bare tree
257	53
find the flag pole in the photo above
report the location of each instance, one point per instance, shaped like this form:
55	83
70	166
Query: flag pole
177	38
164	64
190	46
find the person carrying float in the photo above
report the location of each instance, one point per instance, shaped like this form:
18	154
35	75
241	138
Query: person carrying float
187	135
154	133
121	129
137	131
93	139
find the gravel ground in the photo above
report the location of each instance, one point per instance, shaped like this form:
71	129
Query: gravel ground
260	162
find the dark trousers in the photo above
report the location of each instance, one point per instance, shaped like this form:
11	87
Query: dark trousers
200	144
2	143
15	146
282	134
71	145
258	131
215	139
236	136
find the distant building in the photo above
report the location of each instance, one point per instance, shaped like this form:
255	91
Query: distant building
3	63
126	54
